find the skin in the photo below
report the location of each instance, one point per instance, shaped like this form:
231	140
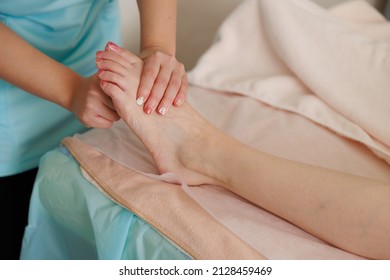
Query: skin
50	80
347	211
163	81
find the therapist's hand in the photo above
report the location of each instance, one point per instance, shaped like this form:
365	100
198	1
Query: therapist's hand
91	105
163	81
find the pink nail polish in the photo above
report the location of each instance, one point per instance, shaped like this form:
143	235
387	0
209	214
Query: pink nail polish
148	110
99	54
114	47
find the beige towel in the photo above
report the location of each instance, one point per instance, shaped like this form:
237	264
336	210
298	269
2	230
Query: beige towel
163	205
332	67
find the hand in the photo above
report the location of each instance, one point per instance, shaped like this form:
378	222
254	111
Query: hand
163	82
91	105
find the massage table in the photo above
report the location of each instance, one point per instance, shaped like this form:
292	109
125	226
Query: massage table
99	195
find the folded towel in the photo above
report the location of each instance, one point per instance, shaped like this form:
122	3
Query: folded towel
331	66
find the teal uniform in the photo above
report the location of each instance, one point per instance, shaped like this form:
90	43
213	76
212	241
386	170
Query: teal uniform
70	31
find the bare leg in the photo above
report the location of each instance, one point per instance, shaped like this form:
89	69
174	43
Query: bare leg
350	212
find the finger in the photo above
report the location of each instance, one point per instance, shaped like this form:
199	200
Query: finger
158	90
108	114
108	88
152	102
171	92
107	101
103	119
148	77
104	106
182	94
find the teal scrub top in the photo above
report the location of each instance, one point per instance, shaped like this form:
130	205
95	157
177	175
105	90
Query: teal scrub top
70	31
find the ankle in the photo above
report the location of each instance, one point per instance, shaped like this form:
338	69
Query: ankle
210	153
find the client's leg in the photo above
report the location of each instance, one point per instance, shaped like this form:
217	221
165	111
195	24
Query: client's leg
348	211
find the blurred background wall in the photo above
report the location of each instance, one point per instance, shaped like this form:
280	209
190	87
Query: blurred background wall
198	21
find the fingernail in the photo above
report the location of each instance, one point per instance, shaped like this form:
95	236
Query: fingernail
140	101
99	54
179	102
114	47
148	110
162	110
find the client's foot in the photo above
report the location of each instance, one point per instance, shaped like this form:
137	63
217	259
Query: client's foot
177	141
181	141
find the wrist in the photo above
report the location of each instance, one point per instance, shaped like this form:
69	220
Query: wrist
146	51
76	83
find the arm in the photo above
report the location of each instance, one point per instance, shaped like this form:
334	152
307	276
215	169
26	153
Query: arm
31	70
164	80
158	26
